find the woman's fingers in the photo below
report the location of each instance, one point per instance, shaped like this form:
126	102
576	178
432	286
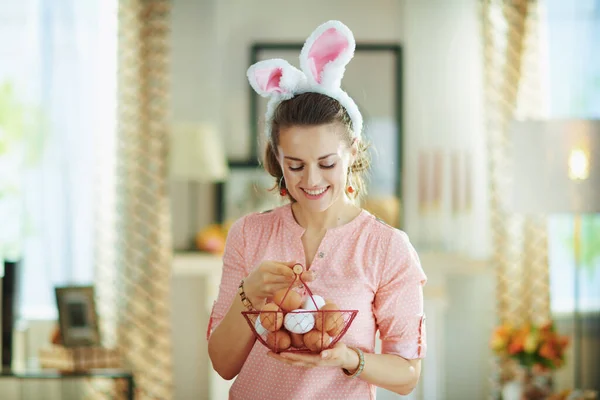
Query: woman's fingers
308	276
274	276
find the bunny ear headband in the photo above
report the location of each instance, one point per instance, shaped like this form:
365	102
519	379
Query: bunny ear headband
323	61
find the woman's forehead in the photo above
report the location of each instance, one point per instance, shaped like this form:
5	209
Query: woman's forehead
310	145
310	139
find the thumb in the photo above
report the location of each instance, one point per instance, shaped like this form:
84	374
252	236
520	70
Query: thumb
308	276
334	353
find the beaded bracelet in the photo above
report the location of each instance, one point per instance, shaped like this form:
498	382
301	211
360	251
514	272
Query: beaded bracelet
361	364
245	300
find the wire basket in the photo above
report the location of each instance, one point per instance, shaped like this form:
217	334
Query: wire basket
299	321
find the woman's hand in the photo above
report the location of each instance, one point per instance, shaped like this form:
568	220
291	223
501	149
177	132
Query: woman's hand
269	277
339	356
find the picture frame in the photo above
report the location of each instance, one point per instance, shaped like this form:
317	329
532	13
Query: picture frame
77	316
378	94
249	188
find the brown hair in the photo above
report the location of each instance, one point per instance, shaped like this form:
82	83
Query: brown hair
309	109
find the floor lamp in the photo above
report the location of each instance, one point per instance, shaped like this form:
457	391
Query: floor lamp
557	171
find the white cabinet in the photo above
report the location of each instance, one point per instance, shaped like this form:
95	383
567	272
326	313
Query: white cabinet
195	285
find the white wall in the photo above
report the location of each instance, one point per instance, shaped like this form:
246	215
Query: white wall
444	110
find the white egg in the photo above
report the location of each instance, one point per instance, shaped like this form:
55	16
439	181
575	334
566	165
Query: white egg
258	327
299	321
309	304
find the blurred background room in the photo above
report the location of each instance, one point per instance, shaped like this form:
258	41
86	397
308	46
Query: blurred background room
130	140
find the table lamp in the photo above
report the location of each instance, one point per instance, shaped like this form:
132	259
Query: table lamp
197	156
557	171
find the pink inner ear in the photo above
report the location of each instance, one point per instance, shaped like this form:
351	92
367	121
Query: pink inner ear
326	48
268	79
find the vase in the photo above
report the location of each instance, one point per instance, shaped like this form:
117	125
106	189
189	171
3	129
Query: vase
527	385
512	390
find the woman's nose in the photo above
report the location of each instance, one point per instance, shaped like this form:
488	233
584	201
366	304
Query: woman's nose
313	177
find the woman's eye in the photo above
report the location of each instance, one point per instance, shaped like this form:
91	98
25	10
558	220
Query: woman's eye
296	168
328	166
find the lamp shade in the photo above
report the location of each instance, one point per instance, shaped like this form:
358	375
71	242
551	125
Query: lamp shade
197	153
556	166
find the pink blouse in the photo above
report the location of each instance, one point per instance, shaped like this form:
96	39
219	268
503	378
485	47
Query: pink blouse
364	265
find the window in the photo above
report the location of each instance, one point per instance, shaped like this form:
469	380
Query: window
574	67
61	61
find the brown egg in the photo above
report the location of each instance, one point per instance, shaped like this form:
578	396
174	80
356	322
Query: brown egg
279	340
271	317
297	340
316	341
337	329
289	301
328	318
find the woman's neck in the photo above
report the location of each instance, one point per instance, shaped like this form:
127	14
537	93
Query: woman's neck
334	216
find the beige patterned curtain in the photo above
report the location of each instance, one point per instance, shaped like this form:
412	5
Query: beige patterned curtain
134	232
515	88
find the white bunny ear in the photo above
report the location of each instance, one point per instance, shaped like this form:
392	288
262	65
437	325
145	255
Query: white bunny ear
326	52
275	77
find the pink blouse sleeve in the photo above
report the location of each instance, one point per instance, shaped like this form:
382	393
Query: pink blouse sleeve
234	270
398	304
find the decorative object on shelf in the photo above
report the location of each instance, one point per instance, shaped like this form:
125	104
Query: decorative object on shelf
535	350
551	154
77	316
211	238
56	336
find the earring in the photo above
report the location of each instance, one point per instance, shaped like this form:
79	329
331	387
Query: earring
282	190
350	188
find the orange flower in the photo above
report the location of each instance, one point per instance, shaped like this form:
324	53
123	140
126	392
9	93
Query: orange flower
518	344
531	342
500	338
547	351
563	341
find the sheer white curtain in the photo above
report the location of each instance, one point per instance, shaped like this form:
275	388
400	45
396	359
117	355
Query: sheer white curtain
62	55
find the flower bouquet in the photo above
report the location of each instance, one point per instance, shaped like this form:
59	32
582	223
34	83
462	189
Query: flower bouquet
537	349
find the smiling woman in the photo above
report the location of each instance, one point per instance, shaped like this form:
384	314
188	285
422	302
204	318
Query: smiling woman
316	154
